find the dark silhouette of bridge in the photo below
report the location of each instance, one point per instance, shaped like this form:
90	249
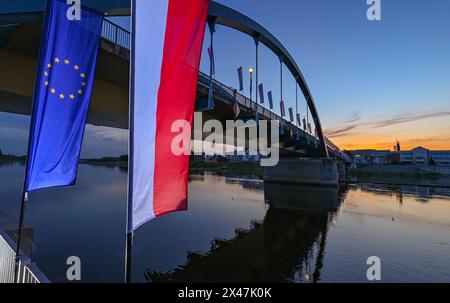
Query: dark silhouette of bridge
290	240
20	35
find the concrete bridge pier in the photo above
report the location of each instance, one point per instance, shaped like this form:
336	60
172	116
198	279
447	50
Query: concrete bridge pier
303	171
341	171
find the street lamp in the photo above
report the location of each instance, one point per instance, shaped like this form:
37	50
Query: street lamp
250	70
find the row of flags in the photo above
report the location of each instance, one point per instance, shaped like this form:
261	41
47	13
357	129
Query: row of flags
262	100
167	38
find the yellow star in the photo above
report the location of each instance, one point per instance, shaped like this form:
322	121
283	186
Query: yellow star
76	67
49	65
66	61
61	96
57	60
80	92
53	90
46	83
72	97
83	83
46	74
83	75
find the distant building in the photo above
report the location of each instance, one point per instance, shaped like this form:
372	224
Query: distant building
371	156
416	156
423	156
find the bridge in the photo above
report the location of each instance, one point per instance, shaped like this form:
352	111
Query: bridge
20	30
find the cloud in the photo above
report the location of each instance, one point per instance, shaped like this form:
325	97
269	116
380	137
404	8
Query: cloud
349	127
107	133
404	118
338	132
355	116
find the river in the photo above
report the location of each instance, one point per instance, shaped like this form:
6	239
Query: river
237	229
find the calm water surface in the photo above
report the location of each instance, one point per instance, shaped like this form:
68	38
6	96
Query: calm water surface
236	229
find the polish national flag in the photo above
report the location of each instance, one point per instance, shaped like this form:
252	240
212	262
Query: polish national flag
165	57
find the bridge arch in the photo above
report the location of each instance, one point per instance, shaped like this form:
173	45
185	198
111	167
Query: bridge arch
231	18
31	10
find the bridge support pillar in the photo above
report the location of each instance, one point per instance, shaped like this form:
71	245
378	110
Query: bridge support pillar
303	171
341	171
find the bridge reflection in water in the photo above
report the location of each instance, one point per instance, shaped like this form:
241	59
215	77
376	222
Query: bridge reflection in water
287	246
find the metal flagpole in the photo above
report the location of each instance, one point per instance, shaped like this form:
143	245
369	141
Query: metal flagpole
296	99
129	239
19	235
212	29
129	248
256	38
281	76
23	202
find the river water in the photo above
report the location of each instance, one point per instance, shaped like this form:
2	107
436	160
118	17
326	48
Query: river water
237	229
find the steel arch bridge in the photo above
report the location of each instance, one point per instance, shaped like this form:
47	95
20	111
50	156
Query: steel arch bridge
26	11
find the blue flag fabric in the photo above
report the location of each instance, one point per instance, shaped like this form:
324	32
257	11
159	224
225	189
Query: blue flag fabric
269	95
241	79
64	81
261	93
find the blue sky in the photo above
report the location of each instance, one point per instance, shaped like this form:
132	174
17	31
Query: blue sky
373	82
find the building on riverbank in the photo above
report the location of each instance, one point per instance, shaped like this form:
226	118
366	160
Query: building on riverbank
424	156
416	156
372	156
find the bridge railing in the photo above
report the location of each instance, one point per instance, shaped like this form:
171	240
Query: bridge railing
120	36
244	101
28	271
116	34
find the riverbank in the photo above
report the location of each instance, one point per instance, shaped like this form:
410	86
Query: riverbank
194	166
400	175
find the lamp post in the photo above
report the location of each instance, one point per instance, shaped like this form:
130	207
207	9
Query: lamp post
250	70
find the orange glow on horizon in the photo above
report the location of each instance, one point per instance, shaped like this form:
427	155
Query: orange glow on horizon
350	143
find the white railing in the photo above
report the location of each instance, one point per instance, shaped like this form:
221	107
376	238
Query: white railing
28	272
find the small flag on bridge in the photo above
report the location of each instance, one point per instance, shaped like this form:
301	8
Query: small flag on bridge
261	93
167	41
283	113
304	123
269	95
299	122
211	59
309	128
241	79
291	115
236	109
65	76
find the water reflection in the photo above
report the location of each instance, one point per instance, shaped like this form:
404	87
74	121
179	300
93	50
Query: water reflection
237	229
422	193
281	248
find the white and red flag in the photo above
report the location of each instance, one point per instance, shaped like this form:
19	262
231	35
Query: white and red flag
166	49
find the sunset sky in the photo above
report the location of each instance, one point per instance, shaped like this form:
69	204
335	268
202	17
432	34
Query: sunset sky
373	82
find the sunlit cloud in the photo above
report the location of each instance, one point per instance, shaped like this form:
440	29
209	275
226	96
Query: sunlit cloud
352	133
345	128
339	132
404	118
355	116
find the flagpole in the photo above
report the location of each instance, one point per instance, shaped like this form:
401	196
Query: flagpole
24	198
128	257
212	28
129	227
19	235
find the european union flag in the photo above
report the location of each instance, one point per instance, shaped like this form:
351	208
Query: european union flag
65	77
